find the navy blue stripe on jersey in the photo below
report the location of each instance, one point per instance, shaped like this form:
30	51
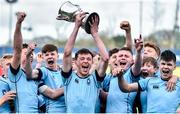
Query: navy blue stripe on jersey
139	87
14	71
39	74
66	74
98	77
40	84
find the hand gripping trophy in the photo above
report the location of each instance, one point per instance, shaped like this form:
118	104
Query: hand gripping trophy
68	11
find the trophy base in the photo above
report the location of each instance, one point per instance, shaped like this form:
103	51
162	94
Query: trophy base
86	25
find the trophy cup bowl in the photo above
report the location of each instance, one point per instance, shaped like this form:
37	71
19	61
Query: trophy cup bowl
68	12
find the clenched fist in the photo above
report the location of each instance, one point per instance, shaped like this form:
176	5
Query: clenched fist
20	17
125	25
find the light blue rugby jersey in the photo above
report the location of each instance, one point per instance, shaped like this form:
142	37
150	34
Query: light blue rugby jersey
159	99
118	101
105	86
4	87
106	83
41	100
143	94
53	79
81	94
26	99
143	98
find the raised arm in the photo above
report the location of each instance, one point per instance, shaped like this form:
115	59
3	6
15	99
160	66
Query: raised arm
17	42
136	68
123	85
67	58
127	27
28	66
99	43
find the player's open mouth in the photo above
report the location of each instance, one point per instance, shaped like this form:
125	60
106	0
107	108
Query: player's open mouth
145	73
50	62
165	71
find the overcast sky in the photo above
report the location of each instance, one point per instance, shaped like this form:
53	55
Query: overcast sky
41	16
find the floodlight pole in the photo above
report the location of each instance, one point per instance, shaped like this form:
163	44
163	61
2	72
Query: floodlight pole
10	24
10	19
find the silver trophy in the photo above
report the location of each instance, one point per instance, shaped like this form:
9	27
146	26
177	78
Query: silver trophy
68	11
